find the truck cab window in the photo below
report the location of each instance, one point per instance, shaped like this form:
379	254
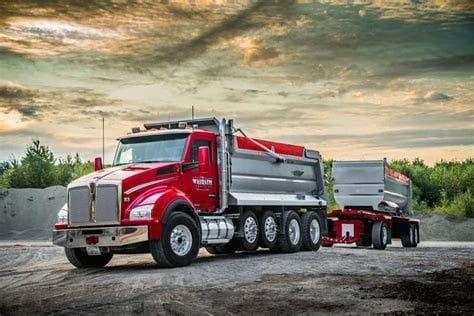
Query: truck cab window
195	146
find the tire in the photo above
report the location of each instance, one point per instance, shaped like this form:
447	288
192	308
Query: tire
179	242
268	230
380	235
290	239
231	247
415	238
79	258
407	236
417	234
248	226
311	232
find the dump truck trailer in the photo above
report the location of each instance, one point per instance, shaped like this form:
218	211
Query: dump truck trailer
177	186
375	206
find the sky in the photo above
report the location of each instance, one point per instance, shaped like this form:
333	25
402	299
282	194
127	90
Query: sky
352	79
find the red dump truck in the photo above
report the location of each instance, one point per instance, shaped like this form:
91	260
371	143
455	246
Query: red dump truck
177	186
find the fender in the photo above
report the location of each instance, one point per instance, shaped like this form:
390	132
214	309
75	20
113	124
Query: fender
165	200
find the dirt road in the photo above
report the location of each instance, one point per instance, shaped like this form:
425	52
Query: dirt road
39	279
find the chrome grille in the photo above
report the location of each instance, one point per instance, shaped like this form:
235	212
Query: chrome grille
106	203
99	208
79	205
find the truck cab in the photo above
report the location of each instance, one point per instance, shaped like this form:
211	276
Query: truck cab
176	186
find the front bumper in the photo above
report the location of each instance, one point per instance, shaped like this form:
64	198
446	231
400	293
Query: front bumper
106	236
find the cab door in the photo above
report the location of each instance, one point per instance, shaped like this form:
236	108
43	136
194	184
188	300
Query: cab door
201	186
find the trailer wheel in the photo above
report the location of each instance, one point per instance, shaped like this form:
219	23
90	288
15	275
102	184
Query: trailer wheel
379	235
311	232
79	258
290	239
417	235
408	236
249	228
268	230
179	244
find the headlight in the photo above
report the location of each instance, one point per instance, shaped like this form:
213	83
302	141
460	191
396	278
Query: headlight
141	212
62	215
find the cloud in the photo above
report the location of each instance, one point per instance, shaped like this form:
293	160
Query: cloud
10	90
417	97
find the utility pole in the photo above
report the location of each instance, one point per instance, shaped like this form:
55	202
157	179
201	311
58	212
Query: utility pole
103	140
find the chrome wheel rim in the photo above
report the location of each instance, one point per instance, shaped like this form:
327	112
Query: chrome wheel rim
250	229
181	240
415	235
384	235
270	229
412	234
314	231
294	232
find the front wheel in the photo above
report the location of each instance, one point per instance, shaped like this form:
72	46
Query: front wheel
179	243
79	258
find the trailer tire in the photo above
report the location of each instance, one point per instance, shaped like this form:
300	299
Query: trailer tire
180	231
249	228
417	235
408	236
380	235
290	239
311	232
80	259
268	230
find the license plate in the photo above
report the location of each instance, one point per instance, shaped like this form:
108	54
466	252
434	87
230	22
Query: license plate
93	250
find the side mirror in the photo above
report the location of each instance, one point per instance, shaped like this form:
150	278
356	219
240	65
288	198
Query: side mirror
98	164
203	158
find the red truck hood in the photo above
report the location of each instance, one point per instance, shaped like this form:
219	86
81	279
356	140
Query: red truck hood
145	170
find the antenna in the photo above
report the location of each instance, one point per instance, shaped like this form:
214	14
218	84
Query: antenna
192	118
103	140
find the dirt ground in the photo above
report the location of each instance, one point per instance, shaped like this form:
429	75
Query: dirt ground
436	278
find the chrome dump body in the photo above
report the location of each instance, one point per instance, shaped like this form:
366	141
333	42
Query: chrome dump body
371	185
257	178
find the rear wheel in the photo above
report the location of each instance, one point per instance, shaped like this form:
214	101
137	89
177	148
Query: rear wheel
268	230
379	235
311	232
79	258
409	236
290	239
417	235
179	244
249	229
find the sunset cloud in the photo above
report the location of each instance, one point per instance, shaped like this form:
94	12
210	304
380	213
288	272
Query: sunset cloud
353	79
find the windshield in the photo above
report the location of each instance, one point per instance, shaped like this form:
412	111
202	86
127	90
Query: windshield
153	148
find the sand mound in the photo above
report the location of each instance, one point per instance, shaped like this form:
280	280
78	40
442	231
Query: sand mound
29	214
442	228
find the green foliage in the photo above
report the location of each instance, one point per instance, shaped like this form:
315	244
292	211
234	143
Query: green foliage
330	185
40	169
446	188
